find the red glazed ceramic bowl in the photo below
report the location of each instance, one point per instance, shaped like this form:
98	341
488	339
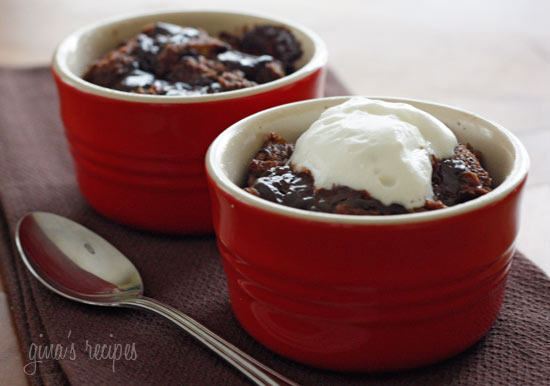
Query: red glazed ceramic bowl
139	159
365	293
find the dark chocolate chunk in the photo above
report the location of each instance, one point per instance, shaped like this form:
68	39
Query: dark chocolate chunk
273	40
460	178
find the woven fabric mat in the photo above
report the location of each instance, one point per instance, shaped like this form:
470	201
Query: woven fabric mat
36	174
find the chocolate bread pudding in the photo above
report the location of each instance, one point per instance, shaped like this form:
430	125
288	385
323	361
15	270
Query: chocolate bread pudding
168	59
270	176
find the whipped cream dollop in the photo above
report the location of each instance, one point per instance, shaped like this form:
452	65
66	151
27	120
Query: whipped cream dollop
381	147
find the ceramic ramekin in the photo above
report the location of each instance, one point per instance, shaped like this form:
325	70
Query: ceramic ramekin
139	159
365	293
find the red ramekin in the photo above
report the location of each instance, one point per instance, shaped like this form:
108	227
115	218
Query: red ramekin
139	159
365	293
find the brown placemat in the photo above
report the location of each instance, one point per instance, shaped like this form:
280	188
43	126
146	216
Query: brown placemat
36	174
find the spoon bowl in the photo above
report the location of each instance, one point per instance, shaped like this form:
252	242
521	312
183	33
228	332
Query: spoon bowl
80	265
75	262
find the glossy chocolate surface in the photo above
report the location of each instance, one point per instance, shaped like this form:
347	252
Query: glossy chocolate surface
167	59
454	180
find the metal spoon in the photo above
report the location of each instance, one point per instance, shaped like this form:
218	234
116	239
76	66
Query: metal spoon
78	264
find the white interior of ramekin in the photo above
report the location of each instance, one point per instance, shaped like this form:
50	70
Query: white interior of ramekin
76	52
229	155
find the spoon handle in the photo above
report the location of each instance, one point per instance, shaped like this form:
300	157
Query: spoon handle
257	372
